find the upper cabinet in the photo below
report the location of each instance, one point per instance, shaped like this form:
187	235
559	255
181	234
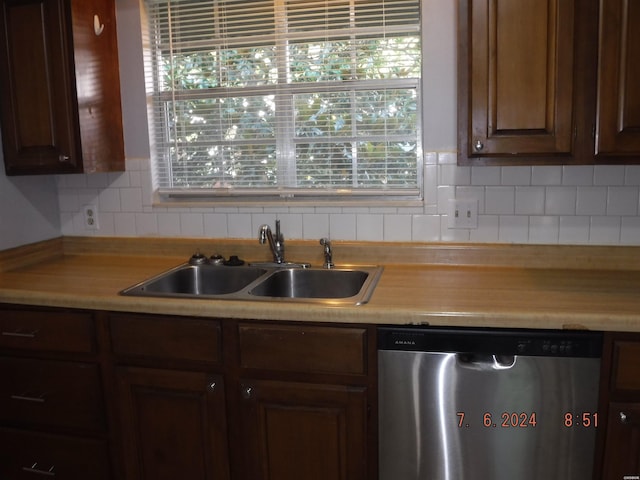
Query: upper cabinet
618	125
60	109
534	75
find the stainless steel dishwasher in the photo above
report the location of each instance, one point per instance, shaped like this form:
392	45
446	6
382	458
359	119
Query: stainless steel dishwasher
487	404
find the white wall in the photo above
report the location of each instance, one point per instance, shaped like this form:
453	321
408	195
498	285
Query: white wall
549	204
28	209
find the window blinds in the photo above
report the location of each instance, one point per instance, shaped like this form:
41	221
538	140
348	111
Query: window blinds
286	97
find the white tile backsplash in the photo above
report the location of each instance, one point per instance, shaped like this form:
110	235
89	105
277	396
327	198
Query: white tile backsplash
622	201
529	201
500	200
546	175
542	204
560	201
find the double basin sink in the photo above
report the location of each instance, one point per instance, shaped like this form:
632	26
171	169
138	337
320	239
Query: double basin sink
335	286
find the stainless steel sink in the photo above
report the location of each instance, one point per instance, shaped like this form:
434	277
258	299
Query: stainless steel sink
336	286
317	283
197	281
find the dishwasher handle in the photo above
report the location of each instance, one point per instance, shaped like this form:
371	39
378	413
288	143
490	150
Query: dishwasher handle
485	362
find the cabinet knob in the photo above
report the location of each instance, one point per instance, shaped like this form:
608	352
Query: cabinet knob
247	392
478	146
63	158
623	417
212	386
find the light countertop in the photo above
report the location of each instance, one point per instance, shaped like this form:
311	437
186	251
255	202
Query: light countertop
586	294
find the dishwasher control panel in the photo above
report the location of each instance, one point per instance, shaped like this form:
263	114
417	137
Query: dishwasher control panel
491	341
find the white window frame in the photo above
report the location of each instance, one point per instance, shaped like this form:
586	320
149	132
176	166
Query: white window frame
286	161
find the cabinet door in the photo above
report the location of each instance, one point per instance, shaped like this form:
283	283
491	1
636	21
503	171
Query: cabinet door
619	76
39	122
622	450
296	430
516	79
173	424
97	84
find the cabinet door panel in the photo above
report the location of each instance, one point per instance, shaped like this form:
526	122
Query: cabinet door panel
38	118
517	97
98	86
173	425
51	393
54	331
160	338
622	450
619	77
317	349
294	430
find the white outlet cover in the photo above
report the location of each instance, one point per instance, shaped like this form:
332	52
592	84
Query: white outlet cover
463	213
90	217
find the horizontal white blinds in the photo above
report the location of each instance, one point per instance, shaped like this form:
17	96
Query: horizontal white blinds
283	95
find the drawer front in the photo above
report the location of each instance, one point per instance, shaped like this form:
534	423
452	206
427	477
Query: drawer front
166	338
29	455
301	348
47	393
56	331
626	365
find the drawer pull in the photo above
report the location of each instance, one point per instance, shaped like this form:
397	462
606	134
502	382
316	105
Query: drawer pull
20	334
38	471
28	398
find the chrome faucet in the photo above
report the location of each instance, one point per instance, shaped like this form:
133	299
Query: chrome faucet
328	253
275	243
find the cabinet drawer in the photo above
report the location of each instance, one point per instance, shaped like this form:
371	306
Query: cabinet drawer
51	393
58	331
29	455
166	338
301	348
626	365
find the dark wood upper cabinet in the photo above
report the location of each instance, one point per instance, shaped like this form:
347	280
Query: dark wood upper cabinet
548	82
618	126
520	77
60	108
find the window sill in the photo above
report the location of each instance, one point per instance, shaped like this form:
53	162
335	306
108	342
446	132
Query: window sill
163	201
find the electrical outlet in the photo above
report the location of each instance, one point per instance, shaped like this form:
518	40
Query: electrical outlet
463	213
90	215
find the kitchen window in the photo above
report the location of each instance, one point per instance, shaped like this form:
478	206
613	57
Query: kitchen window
285	98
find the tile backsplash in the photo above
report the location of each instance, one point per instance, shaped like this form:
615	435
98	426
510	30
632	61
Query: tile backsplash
541	204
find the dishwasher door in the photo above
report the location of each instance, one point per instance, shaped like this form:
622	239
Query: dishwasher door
481	411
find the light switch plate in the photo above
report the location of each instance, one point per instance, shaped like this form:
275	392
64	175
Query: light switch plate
463	213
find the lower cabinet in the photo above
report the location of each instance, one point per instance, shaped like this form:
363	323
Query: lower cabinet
299	430
621	398
104	396
173	424
267	401
53	417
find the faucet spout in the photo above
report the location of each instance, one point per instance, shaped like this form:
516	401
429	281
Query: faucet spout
276	243
328	253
